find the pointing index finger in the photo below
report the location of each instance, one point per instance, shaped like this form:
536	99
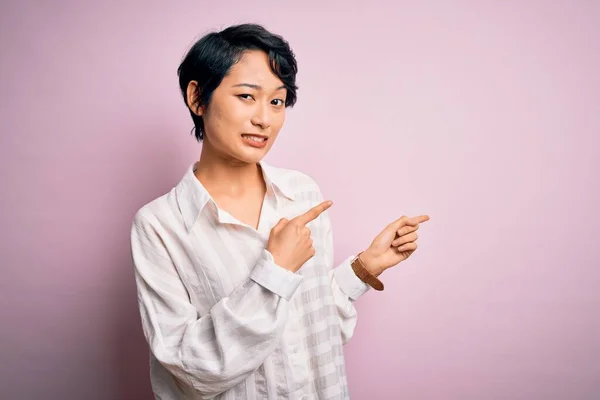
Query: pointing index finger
417	220
403	221
313	213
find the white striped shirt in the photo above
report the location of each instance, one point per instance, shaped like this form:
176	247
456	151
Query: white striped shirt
221	318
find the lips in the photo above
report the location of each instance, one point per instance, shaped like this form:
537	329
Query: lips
253	140
257	138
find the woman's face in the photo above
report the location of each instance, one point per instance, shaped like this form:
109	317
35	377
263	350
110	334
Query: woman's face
249	103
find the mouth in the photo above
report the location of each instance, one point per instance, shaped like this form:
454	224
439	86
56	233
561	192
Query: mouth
255	140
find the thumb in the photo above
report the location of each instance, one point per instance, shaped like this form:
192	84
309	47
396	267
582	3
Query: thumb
389	233
280	224
397	224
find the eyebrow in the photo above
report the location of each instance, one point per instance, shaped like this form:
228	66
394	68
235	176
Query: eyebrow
257	87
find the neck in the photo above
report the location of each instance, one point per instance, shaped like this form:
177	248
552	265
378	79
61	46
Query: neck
223	176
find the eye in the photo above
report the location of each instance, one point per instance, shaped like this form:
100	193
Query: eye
277	102
245	96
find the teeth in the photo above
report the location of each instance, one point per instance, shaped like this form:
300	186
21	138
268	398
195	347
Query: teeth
255	138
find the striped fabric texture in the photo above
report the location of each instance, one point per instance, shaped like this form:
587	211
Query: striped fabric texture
222	320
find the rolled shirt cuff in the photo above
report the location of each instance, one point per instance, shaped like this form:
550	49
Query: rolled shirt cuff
271	276
348	281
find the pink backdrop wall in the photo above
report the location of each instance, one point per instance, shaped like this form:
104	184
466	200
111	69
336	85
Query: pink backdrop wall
485	115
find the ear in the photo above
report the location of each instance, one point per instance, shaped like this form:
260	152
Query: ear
192	98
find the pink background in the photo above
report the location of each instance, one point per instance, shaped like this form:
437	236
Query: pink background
485	115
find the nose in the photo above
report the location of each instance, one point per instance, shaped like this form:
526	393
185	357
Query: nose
261	116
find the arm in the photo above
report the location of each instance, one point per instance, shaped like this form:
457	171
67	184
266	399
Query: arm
214	352
346	286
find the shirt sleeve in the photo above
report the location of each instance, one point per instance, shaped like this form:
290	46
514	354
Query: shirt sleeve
346	286
217	351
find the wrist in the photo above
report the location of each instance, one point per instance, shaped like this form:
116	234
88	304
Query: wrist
361	271
369	263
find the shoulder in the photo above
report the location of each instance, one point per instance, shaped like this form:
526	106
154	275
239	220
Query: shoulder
156	213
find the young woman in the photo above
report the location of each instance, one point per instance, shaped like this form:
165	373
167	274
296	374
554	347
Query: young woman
238	293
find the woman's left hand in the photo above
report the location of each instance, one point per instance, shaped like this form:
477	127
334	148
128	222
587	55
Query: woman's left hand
394	244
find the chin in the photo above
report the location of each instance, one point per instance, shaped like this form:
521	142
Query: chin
253	156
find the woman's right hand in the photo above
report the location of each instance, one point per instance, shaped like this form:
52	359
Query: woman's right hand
290	242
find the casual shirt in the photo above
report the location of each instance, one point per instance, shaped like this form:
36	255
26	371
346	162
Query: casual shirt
222	320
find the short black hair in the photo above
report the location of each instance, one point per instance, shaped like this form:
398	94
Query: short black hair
212	56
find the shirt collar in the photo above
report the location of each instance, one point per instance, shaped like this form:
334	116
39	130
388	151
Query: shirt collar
192	197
